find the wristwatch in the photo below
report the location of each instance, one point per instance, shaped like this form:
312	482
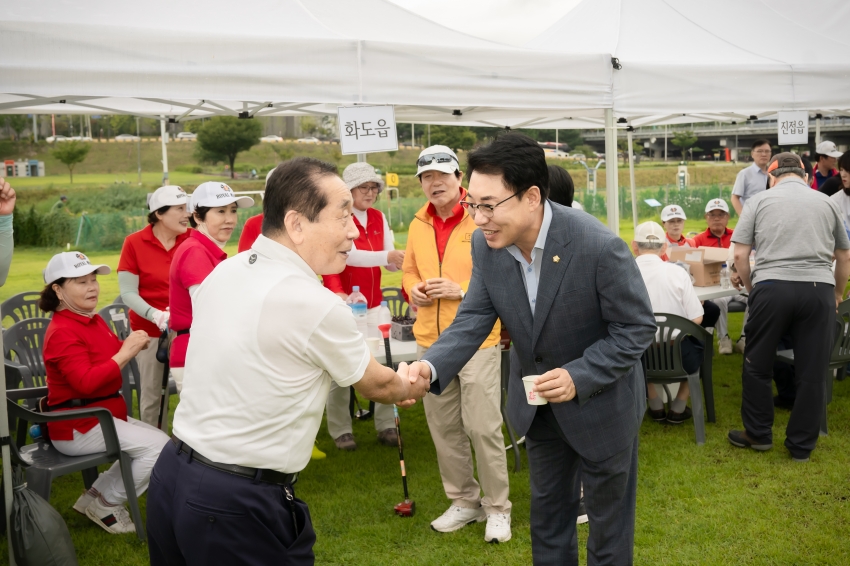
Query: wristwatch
462	294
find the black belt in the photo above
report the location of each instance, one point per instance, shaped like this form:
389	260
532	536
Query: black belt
267	476
73	403
184	331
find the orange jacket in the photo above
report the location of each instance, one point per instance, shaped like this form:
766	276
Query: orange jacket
422	262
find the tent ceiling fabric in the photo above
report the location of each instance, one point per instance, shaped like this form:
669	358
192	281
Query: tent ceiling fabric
170	58
726	56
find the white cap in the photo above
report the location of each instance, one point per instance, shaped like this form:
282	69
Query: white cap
649	232
828	148
214	194
444	164
717	204
672	211
71	264
169	195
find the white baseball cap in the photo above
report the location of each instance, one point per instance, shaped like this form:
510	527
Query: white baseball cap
71	264
717	204
437	158
214	194
649	232
672	211
169	195
828	148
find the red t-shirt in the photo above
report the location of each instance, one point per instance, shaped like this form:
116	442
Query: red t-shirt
681	242
78	354
371	238
444	228
710	240
144	255
250	231
193	261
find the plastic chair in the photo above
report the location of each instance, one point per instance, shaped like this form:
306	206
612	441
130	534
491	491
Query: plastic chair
43	463
838	359
116	318
664	364
395	301
23	306
26	340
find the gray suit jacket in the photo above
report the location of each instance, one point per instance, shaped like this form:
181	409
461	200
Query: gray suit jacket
592	317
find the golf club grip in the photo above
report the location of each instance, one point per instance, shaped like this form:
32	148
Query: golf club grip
166	368
388	353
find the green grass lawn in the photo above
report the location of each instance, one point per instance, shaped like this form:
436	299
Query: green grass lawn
707	505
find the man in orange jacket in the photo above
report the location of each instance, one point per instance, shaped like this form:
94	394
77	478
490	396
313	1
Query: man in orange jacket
436	272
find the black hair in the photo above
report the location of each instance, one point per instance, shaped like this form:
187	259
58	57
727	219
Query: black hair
807	166
561	187
201	212
49	300
844	161
153	218
760	142
294	186
517	158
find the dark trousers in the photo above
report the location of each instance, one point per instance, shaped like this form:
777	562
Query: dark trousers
610	488
784	375
806	312
199	516
711	313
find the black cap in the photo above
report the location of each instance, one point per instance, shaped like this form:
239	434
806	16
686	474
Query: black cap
786	162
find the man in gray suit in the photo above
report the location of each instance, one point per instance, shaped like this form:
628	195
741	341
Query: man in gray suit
572	298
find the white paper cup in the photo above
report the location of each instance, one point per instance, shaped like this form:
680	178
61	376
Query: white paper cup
375	346
532	396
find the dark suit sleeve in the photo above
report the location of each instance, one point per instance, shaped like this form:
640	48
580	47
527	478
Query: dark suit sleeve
473	323
625	306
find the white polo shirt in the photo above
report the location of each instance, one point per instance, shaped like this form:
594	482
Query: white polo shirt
669	286
267	338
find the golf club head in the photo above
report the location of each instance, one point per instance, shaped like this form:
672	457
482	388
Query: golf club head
407	508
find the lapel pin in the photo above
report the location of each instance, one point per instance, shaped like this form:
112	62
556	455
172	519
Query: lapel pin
556	259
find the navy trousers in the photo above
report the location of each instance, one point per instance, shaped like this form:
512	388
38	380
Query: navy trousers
199	516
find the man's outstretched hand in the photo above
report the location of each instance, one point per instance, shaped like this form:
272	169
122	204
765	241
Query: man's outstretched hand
419	375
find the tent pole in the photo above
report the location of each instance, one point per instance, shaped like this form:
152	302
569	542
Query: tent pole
34	127
632	177
665	143
817	130
611	172
165	151
7	460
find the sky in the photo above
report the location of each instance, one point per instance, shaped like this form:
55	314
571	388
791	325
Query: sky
514	22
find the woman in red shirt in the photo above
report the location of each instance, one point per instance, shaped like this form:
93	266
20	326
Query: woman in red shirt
143	279
213	213
83	358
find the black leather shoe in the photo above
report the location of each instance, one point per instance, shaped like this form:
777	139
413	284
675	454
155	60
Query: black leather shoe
679	418
740	439
658	416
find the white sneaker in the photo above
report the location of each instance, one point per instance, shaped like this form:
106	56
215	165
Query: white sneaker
741	344
498	528
112	518
85	500
456	518
725	347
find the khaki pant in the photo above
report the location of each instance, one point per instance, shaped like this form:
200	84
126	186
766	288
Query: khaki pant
151	386
339	419
469	409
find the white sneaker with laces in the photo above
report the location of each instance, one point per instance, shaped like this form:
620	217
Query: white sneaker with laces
725	346
498	527
85	500
112	518
456	518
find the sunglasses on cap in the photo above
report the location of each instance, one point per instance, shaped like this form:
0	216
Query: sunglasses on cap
438	157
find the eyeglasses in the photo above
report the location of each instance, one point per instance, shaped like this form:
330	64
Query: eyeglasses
762	151
438	157
368	189
487	210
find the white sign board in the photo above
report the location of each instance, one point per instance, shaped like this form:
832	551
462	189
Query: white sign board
367	129
793	127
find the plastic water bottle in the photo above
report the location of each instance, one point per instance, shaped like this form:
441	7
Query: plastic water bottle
385	319
725	280
35	432
357	301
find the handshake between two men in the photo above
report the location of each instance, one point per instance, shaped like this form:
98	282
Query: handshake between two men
556	386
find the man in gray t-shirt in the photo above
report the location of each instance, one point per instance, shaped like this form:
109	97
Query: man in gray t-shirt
752	180
793	291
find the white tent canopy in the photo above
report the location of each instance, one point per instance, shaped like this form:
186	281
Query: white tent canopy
264	57
727	58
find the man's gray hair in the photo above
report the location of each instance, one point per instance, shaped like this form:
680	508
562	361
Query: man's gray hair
654	247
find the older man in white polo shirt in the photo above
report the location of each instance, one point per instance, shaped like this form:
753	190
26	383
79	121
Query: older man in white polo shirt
267	340
671	292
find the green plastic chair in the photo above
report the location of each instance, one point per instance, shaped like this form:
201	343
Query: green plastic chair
663	360
838	359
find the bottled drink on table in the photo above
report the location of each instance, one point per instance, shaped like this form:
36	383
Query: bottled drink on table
385	319
725	278
357	301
